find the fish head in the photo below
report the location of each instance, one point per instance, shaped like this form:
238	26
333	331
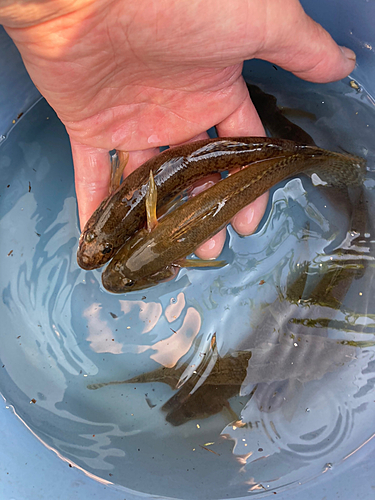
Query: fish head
95	247
116	281
118	278
93	250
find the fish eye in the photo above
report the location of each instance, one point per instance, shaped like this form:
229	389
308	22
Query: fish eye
90	236
128	282
107	248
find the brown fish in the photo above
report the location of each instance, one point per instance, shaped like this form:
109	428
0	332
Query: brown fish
152	255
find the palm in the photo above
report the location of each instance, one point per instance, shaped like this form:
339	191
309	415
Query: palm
117	86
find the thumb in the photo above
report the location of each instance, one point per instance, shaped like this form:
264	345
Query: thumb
92	174
300	45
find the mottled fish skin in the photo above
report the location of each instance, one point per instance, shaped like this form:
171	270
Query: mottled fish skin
123	212
148	257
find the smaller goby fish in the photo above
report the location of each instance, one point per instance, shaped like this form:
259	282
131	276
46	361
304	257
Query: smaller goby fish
152	254
123	213
273	118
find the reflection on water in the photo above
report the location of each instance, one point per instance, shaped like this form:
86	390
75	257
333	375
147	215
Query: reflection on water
245	378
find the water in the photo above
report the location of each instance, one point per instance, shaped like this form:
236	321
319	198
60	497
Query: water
307	400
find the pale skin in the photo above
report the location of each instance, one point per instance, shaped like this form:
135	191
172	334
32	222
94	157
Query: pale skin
134	75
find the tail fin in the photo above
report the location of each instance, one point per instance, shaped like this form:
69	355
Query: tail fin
339	170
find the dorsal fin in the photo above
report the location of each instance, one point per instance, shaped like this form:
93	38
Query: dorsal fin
151	200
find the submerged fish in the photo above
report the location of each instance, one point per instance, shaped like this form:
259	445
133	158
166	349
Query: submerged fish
273	118
152	255
322	286
123	212
205	393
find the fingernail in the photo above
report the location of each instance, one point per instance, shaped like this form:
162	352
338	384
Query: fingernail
348	53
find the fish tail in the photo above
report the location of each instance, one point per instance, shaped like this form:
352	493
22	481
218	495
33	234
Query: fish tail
339	170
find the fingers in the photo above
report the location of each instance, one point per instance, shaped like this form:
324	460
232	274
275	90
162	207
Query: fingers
298	44
247	220
92	176
212	248
243	121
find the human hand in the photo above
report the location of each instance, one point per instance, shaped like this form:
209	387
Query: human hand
137	75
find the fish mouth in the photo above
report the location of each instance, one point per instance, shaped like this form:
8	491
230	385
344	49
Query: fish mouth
89	258
84	262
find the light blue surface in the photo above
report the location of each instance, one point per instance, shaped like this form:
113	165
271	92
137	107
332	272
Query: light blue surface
28	470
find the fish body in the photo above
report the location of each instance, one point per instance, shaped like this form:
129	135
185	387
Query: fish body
150	256
123	212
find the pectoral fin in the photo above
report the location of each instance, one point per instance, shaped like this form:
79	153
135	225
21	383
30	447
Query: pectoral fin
118	163
151	199
200	263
